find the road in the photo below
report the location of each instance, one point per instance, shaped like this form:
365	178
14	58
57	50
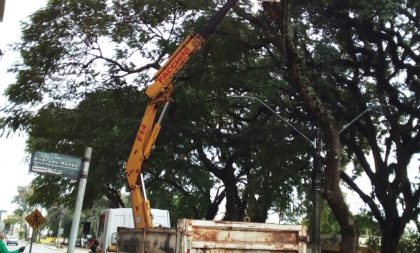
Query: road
43	248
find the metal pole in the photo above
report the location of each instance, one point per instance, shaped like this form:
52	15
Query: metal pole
317	173
60	229
316	184
361	114
278	115
32	239
165	108
2	4
79	201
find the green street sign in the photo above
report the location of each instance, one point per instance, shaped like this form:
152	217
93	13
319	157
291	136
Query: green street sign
56	164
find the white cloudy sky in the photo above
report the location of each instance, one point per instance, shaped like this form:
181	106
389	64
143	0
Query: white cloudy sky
14	166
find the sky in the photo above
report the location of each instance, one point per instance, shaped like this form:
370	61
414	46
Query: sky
14	170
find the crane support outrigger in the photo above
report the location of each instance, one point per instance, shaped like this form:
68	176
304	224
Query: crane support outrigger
159	93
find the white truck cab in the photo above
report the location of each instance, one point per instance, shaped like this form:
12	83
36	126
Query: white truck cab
111	219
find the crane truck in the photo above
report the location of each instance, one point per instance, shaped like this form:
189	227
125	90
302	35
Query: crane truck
189	235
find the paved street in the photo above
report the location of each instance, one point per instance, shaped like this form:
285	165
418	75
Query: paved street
42	248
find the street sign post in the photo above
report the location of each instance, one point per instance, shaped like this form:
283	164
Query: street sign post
79	201
35	219
65	166
56	164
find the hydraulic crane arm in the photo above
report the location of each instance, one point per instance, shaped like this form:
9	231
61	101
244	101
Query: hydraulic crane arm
159	92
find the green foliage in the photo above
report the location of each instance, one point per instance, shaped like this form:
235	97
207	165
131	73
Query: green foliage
53	217
24	207
22	199
360	47
96	123
11	220
84	64
410	242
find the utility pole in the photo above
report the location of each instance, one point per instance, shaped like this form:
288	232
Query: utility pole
316	186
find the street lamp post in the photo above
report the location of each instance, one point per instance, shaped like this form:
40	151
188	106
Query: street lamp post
316	178
316	189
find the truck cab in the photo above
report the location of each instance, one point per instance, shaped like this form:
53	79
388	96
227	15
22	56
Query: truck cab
111	219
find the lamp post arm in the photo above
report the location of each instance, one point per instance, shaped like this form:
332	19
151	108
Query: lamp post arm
313	143
316	179
360	115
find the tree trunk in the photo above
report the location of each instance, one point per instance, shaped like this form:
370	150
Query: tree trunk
295	73
114	198
392	230
338	206
234	207
233	202
388	242
213	207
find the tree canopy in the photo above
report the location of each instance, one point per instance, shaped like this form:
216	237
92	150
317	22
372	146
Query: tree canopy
350	68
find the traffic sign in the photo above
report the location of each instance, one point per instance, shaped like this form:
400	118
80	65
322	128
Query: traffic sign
35	219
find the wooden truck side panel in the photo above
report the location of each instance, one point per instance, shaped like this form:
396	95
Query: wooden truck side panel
223	236
199	236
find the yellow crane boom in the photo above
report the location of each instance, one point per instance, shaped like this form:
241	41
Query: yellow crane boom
159	93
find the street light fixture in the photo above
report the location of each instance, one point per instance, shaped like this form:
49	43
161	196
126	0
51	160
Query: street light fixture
317	165
313	143
316	181
361	114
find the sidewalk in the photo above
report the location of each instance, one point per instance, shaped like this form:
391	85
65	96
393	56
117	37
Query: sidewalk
64	249
81	250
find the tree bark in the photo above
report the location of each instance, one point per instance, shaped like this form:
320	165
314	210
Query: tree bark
234	207
389	234
234	211
295	73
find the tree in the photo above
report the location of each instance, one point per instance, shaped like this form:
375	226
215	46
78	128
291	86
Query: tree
65	58
94	124
24	207
9	223
315	62
343	58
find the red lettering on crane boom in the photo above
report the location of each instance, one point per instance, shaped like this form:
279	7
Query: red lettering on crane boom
174	65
